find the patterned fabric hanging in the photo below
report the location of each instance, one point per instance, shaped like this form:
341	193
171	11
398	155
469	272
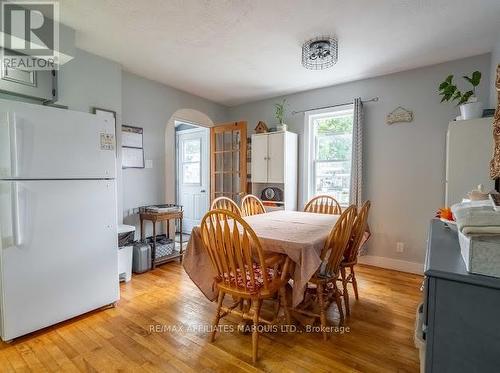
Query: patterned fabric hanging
495	162
357	154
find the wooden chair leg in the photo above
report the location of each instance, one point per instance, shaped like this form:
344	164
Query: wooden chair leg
338	300
322	310
354	283
255	332
345	292
217	315
285	305
276	307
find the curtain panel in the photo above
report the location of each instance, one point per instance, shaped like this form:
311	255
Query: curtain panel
357	154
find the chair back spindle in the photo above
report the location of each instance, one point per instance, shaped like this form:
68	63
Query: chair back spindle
234	250
251	205
336	244
224	203
358	232
323	205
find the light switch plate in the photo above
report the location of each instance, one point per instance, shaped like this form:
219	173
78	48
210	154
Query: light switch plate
149	163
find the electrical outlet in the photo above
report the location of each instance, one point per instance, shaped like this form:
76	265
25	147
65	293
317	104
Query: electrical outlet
400	247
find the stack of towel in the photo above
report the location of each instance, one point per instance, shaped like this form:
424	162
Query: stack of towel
476	218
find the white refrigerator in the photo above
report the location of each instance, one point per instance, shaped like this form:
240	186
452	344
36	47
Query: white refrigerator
58	240
469	149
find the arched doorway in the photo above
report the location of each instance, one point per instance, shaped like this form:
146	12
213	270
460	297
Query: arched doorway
187	131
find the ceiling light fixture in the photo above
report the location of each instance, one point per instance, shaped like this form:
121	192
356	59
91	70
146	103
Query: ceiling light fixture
320	53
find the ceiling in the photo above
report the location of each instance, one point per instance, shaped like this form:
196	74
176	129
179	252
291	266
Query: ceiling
237	51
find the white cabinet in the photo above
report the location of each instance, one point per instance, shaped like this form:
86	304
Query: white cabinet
274	164
259	158
276	149
269	151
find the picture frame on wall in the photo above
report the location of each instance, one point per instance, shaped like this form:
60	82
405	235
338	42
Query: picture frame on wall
111	115
132	147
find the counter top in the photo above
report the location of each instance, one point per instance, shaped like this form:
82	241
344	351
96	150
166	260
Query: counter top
443	258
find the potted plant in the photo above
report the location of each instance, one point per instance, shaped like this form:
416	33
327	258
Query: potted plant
470	107
279	114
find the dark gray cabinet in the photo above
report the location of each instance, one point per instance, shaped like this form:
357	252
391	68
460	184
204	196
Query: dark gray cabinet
461	310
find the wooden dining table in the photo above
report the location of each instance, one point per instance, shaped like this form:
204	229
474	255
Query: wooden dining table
299	235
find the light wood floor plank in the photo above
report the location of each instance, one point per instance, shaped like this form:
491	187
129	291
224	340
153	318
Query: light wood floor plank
125	339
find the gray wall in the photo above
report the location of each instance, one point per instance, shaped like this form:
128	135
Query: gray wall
150	105
90	81
404	164
495	61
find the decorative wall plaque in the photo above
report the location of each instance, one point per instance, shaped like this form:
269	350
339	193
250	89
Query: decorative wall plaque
398	115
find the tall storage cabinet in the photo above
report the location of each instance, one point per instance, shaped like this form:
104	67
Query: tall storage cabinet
274	164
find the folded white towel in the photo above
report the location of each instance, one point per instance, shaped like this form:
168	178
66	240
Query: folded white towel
481	231
476	217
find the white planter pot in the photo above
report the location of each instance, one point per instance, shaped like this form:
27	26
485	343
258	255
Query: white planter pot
471	110
281	127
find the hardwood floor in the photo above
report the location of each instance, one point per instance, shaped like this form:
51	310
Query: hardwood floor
134	336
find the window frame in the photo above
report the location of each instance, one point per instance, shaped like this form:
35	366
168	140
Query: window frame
185	162
310	160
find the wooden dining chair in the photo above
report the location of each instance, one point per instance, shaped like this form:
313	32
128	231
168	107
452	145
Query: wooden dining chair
242	270
251	205
323	285
351	254
224	203
323	205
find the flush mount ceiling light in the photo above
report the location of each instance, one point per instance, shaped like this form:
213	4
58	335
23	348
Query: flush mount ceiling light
320	53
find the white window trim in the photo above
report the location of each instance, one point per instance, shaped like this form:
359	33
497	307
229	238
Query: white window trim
308	149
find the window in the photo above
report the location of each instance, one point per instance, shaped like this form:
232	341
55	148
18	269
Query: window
329	150
191	161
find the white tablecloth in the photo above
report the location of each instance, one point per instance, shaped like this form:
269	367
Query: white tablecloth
300	235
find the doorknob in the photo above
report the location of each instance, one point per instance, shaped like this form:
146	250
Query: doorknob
203	191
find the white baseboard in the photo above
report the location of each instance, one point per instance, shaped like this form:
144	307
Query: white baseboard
390	263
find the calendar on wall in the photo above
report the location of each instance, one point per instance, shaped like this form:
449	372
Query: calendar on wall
132	147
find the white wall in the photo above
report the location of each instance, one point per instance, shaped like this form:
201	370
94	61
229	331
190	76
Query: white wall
404	163
150	105
495	61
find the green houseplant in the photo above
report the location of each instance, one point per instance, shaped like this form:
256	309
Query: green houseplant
467	101
279	111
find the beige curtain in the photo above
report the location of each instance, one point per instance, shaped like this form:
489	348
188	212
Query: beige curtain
357	154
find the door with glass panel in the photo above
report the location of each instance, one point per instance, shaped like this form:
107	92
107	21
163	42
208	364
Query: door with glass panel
228	144
192	181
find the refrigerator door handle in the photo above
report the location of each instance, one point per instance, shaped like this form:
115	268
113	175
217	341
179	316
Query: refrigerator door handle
13	144
16	222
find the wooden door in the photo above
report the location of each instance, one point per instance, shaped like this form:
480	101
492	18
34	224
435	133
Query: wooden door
228	160
276	158
259	158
